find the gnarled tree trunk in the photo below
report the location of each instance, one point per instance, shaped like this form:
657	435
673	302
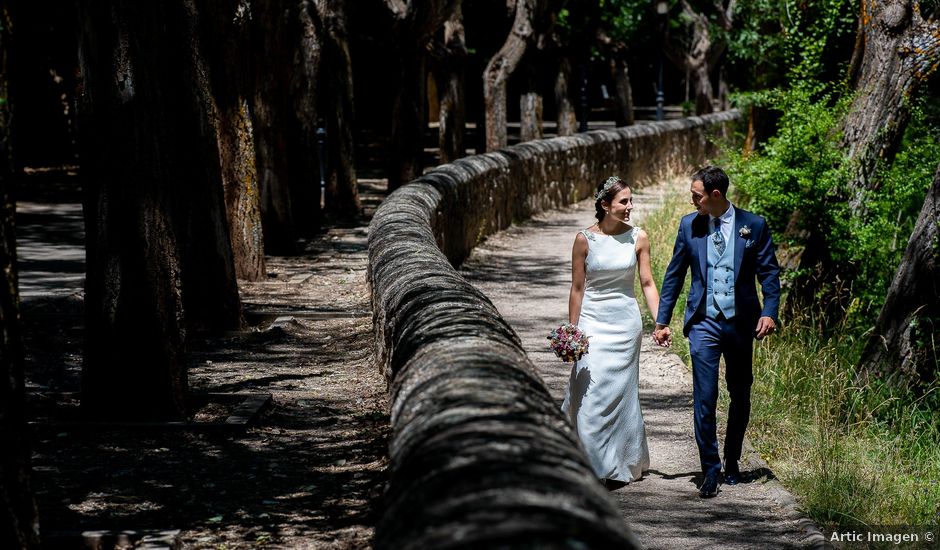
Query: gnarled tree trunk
500	68
897	49
903	347
19	527
159	259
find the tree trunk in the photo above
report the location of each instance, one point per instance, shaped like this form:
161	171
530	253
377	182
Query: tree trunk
530	106
903	347
624	92
704	93
761	123
564	104
303	44
451	75
409	117
703	52
896	50
158	259
342	196
242	198
500	68
530	112
227	44
414	24
895	53
19	526
724	92
272	118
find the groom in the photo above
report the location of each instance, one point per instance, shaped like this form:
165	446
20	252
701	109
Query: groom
727	249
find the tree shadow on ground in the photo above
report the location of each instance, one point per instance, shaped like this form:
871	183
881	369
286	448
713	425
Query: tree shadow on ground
307	473
313	464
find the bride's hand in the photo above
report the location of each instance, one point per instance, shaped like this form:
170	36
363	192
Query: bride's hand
663	337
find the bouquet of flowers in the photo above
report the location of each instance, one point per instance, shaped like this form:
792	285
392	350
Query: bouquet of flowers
568	342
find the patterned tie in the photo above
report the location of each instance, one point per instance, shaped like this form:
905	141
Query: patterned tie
718	238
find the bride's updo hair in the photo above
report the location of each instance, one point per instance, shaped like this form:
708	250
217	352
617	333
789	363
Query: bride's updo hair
606	191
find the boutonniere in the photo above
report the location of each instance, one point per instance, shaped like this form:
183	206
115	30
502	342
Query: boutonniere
744	231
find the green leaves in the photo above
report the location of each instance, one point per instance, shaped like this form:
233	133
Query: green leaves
798	181
780	40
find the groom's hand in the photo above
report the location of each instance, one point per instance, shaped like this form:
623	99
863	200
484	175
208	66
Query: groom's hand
765	326
663	335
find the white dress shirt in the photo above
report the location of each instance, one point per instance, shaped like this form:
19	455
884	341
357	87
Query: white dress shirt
727	223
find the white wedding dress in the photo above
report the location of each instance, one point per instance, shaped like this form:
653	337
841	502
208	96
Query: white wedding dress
602	399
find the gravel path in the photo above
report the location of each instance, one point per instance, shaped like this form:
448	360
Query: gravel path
525	271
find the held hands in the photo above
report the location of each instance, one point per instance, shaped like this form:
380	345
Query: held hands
765	327
662	335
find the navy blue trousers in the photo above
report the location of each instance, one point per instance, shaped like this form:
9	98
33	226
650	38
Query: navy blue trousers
709	339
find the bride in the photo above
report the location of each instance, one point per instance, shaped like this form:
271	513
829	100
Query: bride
602	399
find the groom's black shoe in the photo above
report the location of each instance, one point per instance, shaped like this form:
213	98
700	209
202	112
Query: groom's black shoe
732	473
709	487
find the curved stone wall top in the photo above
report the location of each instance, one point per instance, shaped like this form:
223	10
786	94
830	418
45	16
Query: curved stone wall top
480	454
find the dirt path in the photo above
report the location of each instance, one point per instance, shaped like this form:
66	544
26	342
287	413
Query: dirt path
306	476
525	271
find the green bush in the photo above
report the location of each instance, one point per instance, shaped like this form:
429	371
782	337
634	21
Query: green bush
798	181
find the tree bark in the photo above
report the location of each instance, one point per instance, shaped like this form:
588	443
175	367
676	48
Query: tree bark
19	526
159	259
903	346
530	109
413	25
623	91
408	117
564	104
450	69
500	68
272	119
701	55
305	50
896	51
336	77
227	50
242	197
530	106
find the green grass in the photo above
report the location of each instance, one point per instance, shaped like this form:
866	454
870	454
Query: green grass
662	226
852	453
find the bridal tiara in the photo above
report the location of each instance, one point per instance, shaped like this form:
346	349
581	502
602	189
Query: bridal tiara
611	181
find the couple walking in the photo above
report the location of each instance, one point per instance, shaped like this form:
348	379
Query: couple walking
727	250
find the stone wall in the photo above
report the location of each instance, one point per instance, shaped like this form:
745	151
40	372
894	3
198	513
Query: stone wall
480	453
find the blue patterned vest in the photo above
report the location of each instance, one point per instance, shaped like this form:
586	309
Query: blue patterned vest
719	296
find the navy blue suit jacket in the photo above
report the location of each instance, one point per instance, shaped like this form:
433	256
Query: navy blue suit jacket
754	260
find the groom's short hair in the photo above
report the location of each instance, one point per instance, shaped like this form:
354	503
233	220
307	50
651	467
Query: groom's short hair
712	178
